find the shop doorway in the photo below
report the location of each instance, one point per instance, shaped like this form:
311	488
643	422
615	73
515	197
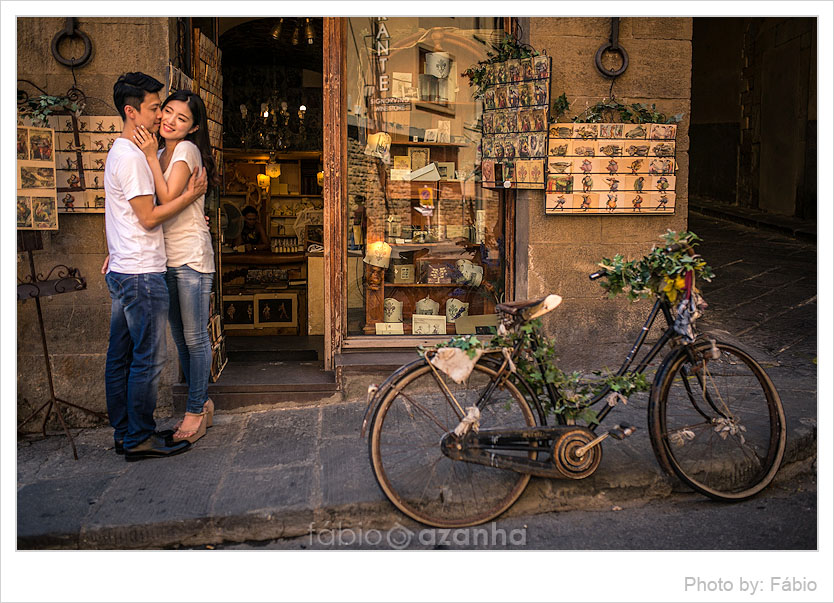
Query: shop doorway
266	75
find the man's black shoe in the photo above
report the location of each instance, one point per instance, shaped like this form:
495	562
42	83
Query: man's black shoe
154	447
119	445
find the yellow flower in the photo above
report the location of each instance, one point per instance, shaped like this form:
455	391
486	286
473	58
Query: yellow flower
673	286
669	289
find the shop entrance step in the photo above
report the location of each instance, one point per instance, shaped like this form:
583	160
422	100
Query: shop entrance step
265	383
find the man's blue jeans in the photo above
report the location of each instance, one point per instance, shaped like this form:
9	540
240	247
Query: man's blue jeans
190	295
136	353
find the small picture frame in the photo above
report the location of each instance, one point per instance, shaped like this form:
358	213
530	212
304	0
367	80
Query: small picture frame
430	135
446	169
276	310
427	324
419	157
239	311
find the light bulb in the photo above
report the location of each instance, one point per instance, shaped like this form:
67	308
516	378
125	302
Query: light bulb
308	30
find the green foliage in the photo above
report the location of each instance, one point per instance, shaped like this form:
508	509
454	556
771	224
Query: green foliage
469	344
658	273
39	108
608	110
574	390
560	106
508	48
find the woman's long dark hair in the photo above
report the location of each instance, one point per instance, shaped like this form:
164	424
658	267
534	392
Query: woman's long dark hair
200	136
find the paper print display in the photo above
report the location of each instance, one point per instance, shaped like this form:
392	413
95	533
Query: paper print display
621	169
37	205
514	124
81	154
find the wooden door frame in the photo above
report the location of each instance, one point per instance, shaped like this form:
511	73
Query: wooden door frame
334	159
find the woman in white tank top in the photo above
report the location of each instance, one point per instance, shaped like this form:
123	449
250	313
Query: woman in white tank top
183	145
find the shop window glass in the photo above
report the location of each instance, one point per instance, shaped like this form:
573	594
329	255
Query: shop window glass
425	242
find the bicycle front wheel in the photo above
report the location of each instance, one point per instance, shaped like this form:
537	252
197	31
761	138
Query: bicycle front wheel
717	422
407	459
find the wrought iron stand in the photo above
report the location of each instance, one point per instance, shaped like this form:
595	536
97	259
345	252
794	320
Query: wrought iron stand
35	286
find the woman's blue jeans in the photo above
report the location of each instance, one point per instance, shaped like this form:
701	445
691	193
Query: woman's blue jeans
188	313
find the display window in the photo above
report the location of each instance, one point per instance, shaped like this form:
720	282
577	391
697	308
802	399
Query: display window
426	242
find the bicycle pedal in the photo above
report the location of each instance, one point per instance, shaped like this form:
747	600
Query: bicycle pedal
622	431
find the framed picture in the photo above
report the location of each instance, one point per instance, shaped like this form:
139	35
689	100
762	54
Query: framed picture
419	157
313	233
239	311
431	135
446	169
276	310
427	324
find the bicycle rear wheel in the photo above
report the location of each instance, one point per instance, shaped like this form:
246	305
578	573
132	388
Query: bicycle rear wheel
411	468
717	423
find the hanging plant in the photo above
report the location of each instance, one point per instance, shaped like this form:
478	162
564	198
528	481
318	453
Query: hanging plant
39	108
659	273
560	106
638	113
508	48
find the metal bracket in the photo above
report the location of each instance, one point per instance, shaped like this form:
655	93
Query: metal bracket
613	45
70	31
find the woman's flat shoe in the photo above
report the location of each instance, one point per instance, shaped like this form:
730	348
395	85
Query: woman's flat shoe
196	434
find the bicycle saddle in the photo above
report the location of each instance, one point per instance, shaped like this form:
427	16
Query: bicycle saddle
531	308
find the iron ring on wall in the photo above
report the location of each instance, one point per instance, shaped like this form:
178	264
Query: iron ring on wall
612	73
70	31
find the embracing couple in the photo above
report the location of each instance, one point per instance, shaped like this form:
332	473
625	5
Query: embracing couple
160	266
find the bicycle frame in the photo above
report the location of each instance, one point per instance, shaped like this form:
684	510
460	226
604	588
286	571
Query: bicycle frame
660	306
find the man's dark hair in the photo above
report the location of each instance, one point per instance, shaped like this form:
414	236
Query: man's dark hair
249	210
131	89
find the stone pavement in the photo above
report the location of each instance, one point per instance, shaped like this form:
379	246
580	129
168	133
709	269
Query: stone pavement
282	472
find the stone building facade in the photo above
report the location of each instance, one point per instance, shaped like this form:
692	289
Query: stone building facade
552	253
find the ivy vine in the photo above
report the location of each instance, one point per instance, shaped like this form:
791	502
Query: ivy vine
508	48
39	108
658	273
637	113
574	390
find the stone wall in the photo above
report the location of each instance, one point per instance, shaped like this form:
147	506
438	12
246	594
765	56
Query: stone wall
777	171
555	254
77	324
716	111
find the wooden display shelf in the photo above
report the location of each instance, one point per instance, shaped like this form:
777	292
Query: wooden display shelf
411	143
428	285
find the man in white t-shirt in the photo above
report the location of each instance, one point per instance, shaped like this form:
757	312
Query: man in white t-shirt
136	274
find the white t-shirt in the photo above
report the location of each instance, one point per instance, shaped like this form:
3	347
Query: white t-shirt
187	236
133	248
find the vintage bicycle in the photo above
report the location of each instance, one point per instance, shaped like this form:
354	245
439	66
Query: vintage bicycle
456	454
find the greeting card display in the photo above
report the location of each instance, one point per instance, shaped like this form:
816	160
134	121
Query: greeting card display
82	145
623	169
37	202
514	127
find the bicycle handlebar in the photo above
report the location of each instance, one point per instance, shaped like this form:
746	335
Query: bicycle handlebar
680	247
